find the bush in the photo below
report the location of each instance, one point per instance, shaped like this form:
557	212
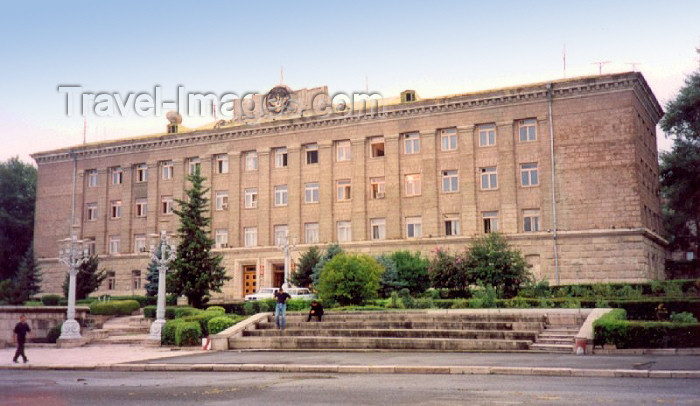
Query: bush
411	271
53	333
167	334
203	320
218	309
350	279
221	323
450	272
613	328
188	333
298	305
143	300
628	292
485	297
114	307
183	311
491	262
50	300
149	312
683	317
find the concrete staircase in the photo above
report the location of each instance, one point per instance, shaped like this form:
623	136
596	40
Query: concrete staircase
559	339
405	331
122	330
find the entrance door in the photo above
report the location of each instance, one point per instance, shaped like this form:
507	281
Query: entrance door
277	275
249	279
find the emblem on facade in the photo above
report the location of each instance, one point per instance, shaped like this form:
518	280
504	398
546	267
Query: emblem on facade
278	100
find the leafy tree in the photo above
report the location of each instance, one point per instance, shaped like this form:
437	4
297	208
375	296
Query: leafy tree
152	275
89	278
350	279
389	281
305	267
680	168
17	198
450	272
412	271
331	251
196	271
26	282
491	261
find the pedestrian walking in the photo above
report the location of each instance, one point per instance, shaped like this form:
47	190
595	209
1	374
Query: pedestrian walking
281	308
20	337
316	311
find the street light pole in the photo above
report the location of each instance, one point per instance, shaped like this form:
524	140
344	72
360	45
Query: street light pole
286	247
73	255
167	255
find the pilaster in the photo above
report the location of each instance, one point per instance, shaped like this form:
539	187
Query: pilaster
264	197
467	183
295	192
393	186
234	199
507	178
326	192
359	190
430	217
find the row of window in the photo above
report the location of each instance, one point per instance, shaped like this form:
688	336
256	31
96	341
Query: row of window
412	187
136	281
343	151
413	229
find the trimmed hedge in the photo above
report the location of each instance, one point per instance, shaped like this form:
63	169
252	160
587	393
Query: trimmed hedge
203	320
167	334
50	300
114	307
149	312
613	328
183	311
260	306
187	333
220	323
218	309
53	333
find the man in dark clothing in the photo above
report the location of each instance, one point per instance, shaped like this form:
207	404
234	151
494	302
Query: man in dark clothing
316	310
281	308
20	337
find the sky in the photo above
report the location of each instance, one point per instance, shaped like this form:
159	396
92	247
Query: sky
434	47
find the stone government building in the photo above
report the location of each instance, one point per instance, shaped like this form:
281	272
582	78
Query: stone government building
413	175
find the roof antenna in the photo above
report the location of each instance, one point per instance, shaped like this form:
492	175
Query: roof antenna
564	58
600	65
366	84
634	65
84	129
281	74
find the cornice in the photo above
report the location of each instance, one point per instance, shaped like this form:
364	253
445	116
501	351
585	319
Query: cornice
575	87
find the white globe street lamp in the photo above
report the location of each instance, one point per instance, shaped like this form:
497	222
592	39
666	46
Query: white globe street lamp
167	255
286	246
73	254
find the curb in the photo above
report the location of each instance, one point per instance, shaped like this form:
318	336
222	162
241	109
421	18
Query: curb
368	369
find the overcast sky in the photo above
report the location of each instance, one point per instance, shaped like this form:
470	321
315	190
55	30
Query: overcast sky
433	47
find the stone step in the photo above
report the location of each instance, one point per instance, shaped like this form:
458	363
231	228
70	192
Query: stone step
359	324
125	330
557	348
547	334
132	339
418	317
541	340
397	333
338	343
560	330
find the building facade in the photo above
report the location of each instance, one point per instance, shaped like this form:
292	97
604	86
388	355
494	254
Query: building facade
566	170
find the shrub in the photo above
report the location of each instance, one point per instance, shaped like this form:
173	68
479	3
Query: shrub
486	296
602	290
218	309
424	303
411	271
394	301
449	272
683	317
188	333
203	320
53	333
114	307
673	289
389	282
149	312
298	305
628	292
613	328
143	300
350	279
183	311
656	287
407	302
602	304
492	262
50	300
220	323
167	334
460	304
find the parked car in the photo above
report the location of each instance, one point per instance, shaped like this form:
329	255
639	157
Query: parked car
263	293
301	293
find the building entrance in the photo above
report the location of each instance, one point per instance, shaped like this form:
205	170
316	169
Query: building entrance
249	279
277	275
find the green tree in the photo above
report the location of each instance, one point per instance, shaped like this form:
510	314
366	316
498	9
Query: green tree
389	282
491	261
88	280
196	271
17	199
450	272
26	282
305	267
152	275
680	168
331	251
412	270
350	279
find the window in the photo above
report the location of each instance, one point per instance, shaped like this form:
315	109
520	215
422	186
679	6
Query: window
487	135
413	185
222	163
450	181
414	228
378	186
111	280
139	243
311	233
136	279
91	246
141	209
251	198
311	154
166	204
194	165
114	244
141	173
117	176
489	178
281	232
91	211
281	195
451	225
344	231
490	221
376	146
448	139
167	170
251	161
92	177
378	229
311	193
531	220
528	129
115	209
528	174
221	238
343	151
250	236
411	143
280	157
343	187
221	200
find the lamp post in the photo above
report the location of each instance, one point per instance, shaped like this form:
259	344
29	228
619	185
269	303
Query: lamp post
286	247
167	255
73	254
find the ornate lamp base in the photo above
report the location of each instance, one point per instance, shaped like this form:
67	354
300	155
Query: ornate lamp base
70	330
156	329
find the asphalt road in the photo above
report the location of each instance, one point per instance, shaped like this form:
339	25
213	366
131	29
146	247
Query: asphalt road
58	388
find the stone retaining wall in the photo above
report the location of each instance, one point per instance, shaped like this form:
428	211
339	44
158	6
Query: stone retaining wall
39	318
